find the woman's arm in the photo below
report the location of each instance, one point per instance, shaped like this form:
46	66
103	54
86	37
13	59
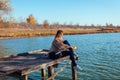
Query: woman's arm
61	46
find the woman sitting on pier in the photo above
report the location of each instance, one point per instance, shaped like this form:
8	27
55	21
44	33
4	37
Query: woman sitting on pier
62	47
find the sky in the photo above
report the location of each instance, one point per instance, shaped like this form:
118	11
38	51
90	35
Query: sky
82	12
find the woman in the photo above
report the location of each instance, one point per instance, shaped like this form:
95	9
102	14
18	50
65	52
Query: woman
62	46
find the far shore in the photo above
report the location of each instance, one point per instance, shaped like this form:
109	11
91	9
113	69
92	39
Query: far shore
13	33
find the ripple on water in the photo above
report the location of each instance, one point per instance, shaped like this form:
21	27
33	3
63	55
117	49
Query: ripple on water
98	55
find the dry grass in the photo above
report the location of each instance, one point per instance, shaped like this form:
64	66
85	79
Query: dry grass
28	32
15	32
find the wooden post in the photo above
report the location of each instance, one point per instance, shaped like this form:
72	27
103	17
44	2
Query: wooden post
74	72
24	77
50	71
43	72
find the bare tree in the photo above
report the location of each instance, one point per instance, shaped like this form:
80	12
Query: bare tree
45	24
4	7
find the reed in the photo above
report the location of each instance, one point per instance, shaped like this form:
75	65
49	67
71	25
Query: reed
27	32
12	32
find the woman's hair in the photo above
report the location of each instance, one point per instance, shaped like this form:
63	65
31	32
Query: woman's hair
59	34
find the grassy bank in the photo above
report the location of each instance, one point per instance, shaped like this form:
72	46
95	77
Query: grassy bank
28	32
15	32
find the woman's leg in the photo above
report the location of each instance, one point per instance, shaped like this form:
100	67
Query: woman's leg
66	53
66	42
70	52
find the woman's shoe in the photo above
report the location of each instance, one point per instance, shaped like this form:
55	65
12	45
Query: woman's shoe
77	67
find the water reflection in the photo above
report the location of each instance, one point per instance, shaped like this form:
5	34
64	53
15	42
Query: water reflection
3	50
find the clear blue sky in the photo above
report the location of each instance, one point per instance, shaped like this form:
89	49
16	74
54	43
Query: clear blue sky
69	11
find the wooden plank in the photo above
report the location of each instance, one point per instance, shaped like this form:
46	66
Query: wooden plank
21	61
49	62
24	54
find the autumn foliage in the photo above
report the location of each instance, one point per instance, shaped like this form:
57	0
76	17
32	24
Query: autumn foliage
31	20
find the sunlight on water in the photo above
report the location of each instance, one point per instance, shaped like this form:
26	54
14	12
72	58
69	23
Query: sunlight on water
98	55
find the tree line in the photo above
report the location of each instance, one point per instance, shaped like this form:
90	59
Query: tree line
6	8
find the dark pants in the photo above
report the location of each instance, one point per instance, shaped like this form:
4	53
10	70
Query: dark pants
66	42
69	52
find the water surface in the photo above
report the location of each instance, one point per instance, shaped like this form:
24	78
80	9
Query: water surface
98	54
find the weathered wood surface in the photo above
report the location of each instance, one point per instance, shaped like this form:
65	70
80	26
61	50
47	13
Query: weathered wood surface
56	73
26	63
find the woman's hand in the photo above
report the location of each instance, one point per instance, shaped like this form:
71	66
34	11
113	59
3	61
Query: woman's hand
74	47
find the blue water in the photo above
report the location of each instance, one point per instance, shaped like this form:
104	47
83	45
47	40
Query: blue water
98	55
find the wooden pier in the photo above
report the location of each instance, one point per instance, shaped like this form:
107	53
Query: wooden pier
20	65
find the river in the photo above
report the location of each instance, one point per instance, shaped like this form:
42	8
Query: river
99	54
